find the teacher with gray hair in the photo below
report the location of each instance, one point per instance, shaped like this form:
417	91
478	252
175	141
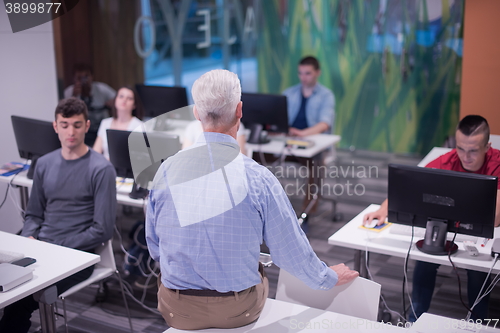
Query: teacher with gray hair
210	209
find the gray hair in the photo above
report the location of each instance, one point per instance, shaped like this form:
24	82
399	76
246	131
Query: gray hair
216	95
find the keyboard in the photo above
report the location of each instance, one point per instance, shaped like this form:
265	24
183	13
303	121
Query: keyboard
9	256
401	229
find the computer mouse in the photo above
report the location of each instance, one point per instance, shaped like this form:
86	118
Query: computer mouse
372	224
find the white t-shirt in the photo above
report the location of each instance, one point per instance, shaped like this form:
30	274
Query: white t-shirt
106	124
194	130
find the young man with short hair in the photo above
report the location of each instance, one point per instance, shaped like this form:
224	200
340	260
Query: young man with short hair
473	154
72	202
311	106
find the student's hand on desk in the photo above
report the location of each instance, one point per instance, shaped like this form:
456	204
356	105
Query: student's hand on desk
31	237
344	273
378	215
296	132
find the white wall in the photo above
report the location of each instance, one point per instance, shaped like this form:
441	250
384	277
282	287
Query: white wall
28	87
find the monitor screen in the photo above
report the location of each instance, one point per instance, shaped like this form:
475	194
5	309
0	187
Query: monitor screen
419	196
138	155
34	139
158	100
268	110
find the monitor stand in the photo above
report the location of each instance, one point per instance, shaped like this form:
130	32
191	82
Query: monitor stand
138	192
435	239
31	170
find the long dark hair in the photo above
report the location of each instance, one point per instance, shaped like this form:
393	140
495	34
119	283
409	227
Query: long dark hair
138	111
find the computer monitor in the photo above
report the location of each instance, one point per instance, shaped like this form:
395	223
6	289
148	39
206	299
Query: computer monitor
267	110
158	100
439	200
138	155
34	139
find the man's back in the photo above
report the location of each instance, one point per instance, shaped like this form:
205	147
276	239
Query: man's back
201	198
210	209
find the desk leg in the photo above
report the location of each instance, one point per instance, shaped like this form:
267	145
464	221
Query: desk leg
46	299
360	263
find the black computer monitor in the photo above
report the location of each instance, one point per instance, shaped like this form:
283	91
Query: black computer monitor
439	200
34	139
138	155
267	110
158	100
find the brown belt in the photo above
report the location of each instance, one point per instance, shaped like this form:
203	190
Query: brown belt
205	293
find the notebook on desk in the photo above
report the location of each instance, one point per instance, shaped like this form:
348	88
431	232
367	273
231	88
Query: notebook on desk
12	275
299	143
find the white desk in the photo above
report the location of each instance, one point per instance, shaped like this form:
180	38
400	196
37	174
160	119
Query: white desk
53	263
24	183
353	237
122	197
277	146
284	317
321	143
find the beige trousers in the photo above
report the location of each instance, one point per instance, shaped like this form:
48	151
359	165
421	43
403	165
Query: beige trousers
189	312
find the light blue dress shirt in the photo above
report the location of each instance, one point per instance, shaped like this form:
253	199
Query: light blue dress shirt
209	210
320	105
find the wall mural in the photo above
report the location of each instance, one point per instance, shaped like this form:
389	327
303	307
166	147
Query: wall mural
394	66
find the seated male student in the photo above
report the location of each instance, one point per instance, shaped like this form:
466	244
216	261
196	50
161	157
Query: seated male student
311	110
311	106
72	202
210	209
473	154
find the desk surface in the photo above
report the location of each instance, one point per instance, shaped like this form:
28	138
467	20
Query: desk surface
353	237
277	146
122	191
321	143
284	317
53	263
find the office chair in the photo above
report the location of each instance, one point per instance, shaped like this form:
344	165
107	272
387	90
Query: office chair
103	269
358	298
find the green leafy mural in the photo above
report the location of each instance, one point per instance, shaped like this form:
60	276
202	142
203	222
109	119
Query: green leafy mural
394	66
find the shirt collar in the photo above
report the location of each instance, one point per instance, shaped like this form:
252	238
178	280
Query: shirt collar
207	137
315	90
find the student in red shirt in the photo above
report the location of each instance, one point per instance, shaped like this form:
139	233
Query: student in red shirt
473	154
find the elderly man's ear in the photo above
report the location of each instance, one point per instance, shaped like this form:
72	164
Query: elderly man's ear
195	112
239	110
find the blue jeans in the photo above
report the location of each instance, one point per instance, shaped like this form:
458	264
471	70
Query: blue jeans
424	280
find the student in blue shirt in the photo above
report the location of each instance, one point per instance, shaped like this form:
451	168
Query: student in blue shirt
311	106
311	110
210	209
